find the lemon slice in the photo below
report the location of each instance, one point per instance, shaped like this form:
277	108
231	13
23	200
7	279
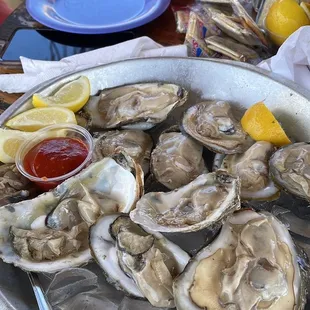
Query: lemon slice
10	141
35	119
72	95
261	125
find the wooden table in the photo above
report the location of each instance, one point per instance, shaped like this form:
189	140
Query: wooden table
162	30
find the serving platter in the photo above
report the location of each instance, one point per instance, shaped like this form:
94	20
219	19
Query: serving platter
241	84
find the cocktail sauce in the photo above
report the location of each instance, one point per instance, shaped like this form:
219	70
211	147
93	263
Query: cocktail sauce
55	157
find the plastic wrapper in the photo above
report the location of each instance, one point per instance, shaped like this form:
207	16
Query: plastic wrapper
263	9
247	21
247	4
232	49
82	288
200	27
222	30
216	1
181	14
233	20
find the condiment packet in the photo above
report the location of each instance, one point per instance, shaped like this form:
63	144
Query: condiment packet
200	27
248	22
216	1
223	18
232	49
181	14
233	26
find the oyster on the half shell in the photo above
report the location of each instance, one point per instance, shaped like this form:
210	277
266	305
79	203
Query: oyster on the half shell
200	204
50	232
252	264
252	167
177	160
13	185
136	106
214	125
290	168
140	262
136	143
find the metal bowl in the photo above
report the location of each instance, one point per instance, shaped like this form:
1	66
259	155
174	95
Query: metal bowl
240	83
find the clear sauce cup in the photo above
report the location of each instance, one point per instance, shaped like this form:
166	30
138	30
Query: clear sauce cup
54	131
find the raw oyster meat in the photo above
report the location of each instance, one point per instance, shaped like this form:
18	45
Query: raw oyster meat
136	143
50	232
48	244
136	106
13	185
200	204
290	168
136	260
214	125
177	160
124	186
252	264
252	168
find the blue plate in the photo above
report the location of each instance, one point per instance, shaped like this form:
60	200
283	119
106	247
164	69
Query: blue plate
95	16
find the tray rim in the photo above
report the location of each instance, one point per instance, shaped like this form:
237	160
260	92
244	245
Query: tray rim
40	87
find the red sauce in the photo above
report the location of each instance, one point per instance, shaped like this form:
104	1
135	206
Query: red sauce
55	157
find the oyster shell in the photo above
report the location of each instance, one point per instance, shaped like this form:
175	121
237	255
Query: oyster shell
136	143
136	106
253	170
26	242
200	204
177	160
136	260
13	185
252	264
214	125
290	167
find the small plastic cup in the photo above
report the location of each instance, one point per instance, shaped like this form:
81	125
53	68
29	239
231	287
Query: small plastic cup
53	131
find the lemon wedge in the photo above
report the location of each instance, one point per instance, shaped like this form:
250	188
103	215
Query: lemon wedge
35	119
72	95
259	122
10	141
285	17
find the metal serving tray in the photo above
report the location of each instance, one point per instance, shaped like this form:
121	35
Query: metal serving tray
239	83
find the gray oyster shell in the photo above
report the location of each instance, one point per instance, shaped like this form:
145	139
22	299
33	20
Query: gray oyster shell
252	264
252	167
214	125
202	203
136	106
136	143
138	261
290	168
177	160
34	232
